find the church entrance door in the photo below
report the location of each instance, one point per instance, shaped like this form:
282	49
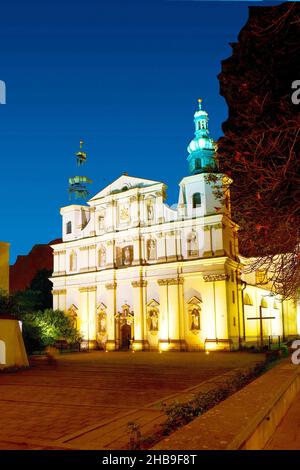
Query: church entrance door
125	336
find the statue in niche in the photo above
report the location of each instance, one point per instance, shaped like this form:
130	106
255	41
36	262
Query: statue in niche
151	249
102	256
150	212
102	323
101	221
127	255
193	244
124	213
195	319
153	315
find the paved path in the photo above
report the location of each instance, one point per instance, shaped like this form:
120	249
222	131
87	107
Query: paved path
86	400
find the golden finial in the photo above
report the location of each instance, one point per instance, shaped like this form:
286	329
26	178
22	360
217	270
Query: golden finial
81	143
199	100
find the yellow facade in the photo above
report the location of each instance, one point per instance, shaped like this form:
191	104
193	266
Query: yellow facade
12	350
4	266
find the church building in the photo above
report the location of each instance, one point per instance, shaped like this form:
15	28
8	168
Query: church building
133	271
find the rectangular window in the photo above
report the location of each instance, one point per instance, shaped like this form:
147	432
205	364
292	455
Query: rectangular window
69	228
233	297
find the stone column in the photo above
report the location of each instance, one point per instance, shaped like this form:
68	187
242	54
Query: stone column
62	262
178	241
111	312
163	343
87	314
84	258
217	237
136	251
207	248
110	248
218	327
176	341
134	211
59	299
93	222
110	216
161	247
159	207
171	246
139	295
92	262
55	262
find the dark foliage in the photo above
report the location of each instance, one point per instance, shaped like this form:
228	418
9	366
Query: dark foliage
260	148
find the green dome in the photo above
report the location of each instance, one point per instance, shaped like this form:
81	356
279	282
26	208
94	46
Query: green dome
201	149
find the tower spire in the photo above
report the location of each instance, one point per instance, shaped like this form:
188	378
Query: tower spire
78	184
202	148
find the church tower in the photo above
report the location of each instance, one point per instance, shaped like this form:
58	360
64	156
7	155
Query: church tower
197	197
202	148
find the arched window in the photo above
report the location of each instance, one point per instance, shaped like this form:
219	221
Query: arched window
197	163
73	261
247	300
196	200
264	303
69	227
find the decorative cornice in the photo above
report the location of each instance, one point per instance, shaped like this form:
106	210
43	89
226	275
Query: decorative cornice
215	277
141	283
170	282
59	273
87	247
88	289
111	285
59	292
217	226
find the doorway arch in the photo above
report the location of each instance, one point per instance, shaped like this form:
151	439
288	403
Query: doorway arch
125	336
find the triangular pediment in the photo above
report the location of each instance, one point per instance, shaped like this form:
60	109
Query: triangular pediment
101	307
152	303
194	301
123	184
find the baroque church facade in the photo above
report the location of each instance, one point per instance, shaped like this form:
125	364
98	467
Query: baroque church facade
131	269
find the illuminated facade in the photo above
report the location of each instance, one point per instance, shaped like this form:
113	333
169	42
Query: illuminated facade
132	269
4	266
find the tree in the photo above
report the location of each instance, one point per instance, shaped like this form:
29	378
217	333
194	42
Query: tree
40	328
261	145
46	327
42	284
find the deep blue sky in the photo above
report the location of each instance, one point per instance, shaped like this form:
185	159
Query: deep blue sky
124	76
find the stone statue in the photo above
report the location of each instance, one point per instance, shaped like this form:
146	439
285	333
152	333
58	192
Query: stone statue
127	256
102	323
151	249
195	319
102	256
154	320
193	244
150	212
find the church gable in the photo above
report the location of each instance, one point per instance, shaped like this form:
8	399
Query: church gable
122	184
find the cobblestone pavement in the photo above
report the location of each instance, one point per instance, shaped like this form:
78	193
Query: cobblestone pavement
86	400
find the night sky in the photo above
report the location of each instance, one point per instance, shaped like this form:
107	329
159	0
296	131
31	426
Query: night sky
124	76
